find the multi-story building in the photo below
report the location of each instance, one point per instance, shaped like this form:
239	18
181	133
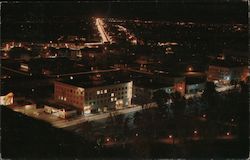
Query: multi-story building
223	72
95	95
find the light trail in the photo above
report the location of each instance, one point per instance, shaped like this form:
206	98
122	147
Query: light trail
99	24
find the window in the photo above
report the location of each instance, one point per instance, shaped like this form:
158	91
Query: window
105	91
112	94
101	91
98	92
112	99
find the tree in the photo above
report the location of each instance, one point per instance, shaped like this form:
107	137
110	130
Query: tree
209	89
178	105
160	97
209	95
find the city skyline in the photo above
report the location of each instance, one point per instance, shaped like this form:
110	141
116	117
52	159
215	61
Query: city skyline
125	79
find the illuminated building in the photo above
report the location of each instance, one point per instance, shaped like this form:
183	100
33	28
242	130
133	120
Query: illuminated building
24	67
7	99
95	95
224	72
60	110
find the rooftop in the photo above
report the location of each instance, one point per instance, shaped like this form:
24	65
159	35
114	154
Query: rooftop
150	83
195	80
96	80
61	106
228	64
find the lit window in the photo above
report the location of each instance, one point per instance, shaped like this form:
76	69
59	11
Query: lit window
101	92
105	91
112	94
98	92
115	99
112	99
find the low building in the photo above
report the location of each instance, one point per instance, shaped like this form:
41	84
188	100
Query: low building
224	72
178	81
94	94
61	111
143	91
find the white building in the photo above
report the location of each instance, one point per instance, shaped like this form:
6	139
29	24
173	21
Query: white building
94	95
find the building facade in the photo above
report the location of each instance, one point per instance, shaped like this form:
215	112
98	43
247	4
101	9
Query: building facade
95	98
224	75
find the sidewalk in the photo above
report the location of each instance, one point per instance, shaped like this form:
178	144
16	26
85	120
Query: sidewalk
93	117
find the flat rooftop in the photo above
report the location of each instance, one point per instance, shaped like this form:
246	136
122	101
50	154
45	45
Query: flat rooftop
225	63
61	106
150	83
96	80
195	80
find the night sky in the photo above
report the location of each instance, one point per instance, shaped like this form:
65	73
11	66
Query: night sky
205	11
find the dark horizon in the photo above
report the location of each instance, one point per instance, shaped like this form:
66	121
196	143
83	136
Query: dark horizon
214	11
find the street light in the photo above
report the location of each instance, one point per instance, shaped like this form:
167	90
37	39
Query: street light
204	115
190	69
195	131
228	133
136	134
71	77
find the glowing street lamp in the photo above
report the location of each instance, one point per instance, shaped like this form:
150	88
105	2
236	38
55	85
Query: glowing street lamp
204	115
195	132
190	69
136	134
71	77
170	136
228	133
